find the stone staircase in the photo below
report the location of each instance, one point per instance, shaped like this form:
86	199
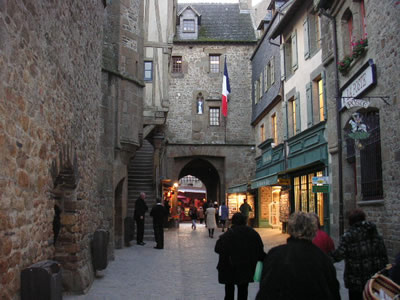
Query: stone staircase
140	179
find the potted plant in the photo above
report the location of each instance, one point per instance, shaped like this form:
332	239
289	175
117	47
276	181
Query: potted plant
359	47
344	64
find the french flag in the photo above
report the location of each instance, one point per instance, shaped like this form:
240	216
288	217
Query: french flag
226	90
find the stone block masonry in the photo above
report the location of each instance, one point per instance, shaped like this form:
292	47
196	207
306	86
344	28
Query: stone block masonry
50	76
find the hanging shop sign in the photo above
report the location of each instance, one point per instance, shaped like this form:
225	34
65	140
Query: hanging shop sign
359	130
354	102
320	180
365	79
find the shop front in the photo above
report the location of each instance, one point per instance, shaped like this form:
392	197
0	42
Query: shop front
269	189
235	198
307	160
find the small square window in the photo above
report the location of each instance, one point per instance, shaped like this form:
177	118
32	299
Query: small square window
214	63
176	64
188	26
214	116
148	70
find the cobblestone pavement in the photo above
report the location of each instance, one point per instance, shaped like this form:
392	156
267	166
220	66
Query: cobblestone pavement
184	270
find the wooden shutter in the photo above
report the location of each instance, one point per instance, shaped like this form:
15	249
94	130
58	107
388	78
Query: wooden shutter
298	115
282	53
266	86
285	120
306	38
310	112
294	51
272	70
323	77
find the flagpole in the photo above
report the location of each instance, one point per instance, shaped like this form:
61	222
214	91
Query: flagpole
225	94
225	117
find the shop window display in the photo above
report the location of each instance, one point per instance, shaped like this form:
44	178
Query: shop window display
304	199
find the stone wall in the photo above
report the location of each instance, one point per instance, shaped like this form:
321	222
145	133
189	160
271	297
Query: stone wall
50	77
183	124
383	45
122	107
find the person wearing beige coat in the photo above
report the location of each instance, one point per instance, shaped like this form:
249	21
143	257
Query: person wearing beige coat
211	223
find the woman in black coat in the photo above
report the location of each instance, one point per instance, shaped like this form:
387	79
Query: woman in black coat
299	269
239	250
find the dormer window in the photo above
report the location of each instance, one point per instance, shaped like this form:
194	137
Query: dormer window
188	25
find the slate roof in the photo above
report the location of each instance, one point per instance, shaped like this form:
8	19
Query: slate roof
222	23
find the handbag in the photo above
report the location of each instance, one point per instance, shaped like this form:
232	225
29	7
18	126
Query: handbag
381	287
258	271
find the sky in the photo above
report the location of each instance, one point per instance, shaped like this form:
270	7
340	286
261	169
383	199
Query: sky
254	2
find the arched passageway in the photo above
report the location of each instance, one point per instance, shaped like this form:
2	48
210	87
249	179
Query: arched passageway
207	173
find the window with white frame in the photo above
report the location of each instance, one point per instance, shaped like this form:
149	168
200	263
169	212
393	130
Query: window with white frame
312	35
214	116
188	25
316	100
214	63
148	70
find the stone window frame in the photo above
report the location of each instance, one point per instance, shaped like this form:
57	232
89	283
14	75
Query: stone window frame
359	155
214	116
176	67
214	61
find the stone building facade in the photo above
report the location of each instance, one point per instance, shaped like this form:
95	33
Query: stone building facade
367	43
268	117
199	140
159	29
121	118
70	109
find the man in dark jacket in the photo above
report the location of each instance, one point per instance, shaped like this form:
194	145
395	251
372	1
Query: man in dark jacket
158	212
239	250
140	210
363	251
299	269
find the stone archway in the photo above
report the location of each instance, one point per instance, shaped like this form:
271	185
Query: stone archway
207	173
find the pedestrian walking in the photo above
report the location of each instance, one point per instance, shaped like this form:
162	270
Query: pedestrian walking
223	215
322	240
210	220
239	250
245	209
158	212
140	210
216	213
200	213
193	216
363	251
205	206
298	269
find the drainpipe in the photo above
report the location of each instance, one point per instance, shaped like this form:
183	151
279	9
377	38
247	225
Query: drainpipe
338	120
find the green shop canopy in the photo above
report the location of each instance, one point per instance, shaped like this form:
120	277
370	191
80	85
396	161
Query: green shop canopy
264	181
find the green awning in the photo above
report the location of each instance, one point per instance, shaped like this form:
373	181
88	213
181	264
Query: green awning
240	188
264	181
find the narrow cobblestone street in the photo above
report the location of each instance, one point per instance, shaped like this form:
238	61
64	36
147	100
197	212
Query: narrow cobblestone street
184	270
